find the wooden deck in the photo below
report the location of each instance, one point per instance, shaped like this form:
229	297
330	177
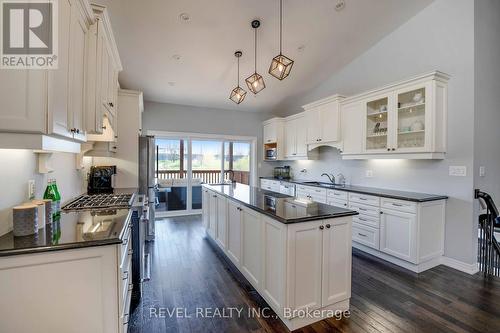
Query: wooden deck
188	273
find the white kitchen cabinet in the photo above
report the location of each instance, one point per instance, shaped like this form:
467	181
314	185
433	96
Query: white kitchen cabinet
274	260
273	139
205	204
323	122
103	66
336	272
304	261
234	230
297	266
212	220
270	185
406	120
398	234
296	138
251	257
50	102
221	233
312	193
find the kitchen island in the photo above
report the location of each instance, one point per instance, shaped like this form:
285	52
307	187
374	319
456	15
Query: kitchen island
295	253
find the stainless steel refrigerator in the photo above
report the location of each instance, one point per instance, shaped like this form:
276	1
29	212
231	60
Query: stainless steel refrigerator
147	180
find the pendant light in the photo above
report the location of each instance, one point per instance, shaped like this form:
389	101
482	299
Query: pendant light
281	65
255	82
238	94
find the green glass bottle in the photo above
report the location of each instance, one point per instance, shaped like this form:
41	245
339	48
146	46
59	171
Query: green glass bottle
57	197
51	195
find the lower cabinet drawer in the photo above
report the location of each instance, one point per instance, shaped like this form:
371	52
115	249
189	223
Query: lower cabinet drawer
400	205
370	221
337	203
365	235
365	209
364	199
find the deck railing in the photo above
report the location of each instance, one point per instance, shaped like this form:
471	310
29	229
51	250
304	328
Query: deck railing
207	176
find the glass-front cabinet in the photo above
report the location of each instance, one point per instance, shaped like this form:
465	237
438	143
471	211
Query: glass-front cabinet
377	124
412	119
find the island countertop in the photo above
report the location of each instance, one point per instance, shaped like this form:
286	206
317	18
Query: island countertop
281	207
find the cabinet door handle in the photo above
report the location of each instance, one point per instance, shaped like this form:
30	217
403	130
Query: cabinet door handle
388	149
364	199
362	219
397	205
321	227
362	235
393	149
328	226
214	196
381	212
104	127
362	209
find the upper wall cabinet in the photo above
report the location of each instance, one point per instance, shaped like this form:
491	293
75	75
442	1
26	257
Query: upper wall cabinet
404	120
323	122
273	139
296	138
50	102
103	68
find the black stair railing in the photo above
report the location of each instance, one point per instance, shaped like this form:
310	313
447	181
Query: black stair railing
488	246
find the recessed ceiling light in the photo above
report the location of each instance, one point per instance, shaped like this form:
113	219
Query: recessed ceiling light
340	5
301	48
176	57
184	17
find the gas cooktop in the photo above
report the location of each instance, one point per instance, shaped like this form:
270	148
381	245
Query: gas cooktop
99	201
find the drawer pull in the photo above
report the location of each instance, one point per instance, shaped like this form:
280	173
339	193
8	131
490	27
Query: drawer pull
130	252
337	194
362	235
364	199
319	191
125	319
397	205
362	209
125	241
125	275
130	287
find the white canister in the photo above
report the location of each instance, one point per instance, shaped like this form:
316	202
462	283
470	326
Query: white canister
41	212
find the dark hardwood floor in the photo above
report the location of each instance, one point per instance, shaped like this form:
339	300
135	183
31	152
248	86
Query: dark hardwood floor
188	274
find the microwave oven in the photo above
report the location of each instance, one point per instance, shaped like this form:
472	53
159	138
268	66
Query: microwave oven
271	154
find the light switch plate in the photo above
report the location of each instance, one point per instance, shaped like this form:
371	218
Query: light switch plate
369	173
458	170
31	189
482	171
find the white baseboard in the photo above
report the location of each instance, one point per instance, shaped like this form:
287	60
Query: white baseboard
460	265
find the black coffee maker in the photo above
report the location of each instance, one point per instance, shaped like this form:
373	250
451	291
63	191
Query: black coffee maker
101	179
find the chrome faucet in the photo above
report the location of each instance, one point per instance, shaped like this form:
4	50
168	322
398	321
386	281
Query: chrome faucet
330	177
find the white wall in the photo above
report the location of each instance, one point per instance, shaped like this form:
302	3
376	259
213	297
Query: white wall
439	37
18	166
181	118
487	104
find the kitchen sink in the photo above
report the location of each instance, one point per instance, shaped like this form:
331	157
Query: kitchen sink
328	185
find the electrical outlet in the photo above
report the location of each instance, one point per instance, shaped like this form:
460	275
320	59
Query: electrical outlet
482	171
458	171
369	173
31	189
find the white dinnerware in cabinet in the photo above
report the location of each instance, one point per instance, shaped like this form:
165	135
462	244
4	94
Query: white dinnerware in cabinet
378	124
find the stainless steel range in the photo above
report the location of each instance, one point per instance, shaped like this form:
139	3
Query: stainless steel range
100	201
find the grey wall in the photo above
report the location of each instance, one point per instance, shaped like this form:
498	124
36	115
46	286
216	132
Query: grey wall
487	103
439	37
18	167
190	119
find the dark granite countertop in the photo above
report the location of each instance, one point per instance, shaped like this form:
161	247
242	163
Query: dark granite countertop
280	207
70	231
387	193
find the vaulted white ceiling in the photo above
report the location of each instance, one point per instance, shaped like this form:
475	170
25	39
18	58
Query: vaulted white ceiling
150	35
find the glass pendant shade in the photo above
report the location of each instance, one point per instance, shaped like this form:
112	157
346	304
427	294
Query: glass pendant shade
280	67
237	95
255	83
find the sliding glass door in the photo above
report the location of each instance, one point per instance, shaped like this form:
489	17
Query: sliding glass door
184	164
